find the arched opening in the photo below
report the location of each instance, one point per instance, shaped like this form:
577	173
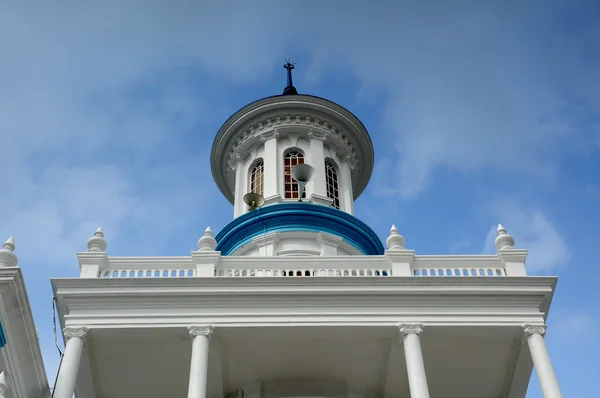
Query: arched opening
257	178
291	158
331	182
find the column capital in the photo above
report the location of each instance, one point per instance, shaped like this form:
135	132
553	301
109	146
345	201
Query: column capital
410	328
79	332
206	331
534	329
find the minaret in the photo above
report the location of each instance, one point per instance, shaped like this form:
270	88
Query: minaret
258	146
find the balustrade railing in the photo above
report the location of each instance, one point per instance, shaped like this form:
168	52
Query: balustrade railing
438	266
347	266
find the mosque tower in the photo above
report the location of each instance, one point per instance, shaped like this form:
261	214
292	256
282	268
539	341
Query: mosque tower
297	298
256	151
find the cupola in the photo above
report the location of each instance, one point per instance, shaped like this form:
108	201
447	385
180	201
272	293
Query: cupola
256	150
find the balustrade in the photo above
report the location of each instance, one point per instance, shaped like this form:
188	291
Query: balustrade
342	266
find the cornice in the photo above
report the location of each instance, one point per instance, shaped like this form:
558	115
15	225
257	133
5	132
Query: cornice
324	118
19	325
525	284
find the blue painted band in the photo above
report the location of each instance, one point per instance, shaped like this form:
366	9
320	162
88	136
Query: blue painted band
296	216
2	336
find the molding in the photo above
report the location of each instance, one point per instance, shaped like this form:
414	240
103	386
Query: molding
512	255
320	200
333	301
268	135
266	239
294	216
399	256
328	239
317	135
21	354
78	332
272	200
300	113
205	331
236	160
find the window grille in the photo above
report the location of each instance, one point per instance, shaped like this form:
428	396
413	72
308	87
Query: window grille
331	180
257	178
290	160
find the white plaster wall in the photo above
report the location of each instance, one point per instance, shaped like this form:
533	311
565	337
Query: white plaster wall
297	243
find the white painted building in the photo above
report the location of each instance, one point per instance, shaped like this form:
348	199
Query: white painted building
22	373
301	299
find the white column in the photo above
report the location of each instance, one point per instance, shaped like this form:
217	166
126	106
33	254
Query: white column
199	363
239	207
67	375
417	380
271	162
316	158
541	360
345	186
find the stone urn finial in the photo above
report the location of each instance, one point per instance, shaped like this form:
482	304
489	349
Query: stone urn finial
503	240
207	242
97	243
7	257
395	241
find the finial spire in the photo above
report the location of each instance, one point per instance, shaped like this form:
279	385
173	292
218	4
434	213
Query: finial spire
503	239
395	241
3	383
7	257
207	242
289	89
97	243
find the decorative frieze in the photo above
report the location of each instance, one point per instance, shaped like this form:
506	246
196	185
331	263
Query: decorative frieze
261	131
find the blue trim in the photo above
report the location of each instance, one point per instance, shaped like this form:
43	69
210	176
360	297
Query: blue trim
296	216
2	336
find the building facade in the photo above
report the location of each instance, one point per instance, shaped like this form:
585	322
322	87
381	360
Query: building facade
296	297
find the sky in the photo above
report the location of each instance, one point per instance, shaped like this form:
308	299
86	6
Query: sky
480	113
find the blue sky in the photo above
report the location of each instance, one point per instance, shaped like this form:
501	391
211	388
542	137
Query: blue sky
480	112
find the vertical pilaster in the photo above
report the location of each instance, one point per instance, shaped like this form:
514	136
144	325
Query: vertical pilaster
346	192
316	158
271	161
67	375
410	336
541	360
239	207
199	362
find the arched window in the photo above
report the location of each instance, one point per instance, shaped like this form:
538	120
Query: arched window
257	178
331	180
290	159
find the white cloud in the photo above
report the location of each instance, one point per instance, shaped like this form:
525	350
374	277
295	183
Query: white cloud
570	323
547	248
